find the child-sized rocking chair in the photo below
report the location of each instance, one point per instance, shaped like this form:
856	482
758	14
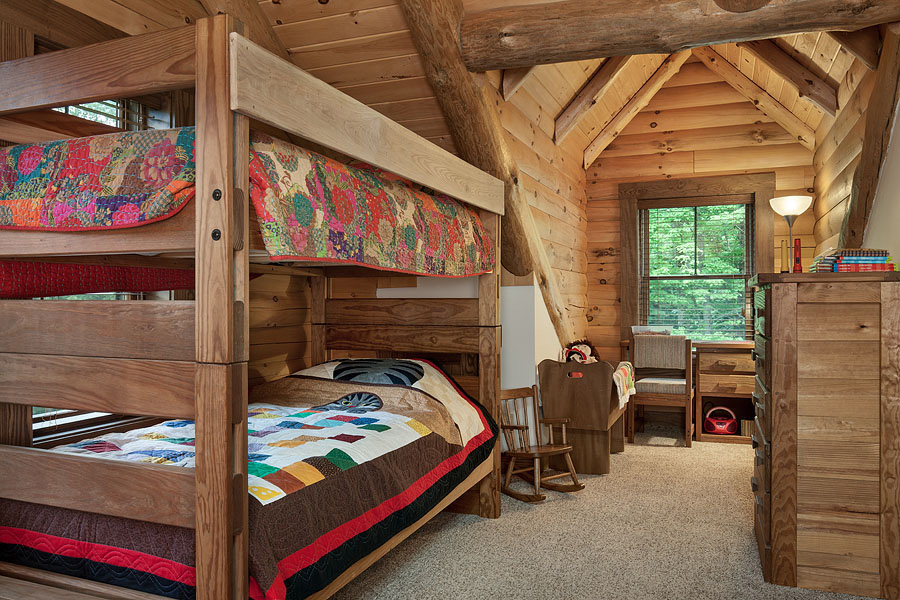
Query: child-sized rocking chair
521	425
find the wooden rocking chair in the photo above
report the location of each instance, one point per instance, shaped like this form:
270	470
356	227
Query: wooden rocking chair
521	424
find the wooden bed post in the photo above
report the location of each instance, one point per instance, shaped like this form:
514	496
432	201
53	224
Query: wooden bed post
221	320
15	419
489	362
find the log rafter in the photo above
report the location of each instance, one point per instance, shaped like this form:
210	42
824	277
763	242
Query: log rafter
810	86
600	83
864	44
758	96
638	102
518	36
513	79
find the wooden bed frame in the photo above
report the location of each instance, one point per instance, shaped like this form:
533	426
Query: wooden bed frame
188	359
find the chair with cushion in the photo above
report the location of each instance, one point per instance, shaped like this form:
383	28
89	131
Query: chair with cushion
521	424
663	365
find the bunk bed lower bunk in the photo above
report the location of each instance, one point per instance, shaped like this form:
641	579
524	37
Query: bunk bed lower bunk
342	457
187	361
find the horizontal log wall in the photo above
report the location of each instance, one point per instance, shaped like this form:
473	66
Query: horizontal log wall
839	143
552	175
279	326
695	126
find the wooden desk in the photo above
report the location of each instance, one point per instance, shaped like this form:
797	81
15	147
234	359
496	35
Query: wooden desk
722	370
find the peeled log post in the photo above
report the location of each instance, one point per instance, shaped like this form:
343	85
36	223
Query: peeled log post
480	139
538	34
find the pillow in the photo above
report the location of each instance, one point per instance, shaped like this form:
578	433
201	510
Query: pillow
418	374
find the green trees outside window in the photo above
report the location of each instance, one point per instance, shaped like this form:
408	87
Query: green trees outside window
694	265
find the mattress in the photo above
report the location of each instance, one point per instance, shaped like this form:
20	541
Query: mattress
308	206
341	458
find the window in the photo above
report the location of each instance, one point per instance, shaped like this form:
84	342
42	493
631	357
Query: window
124	114
694	263
53	426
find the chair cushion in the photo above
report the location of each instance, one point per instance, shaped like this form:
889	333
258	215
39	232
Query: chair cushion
660	385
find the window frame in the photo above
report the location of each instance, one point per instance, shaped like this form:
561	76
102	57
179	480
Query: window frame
644	251
701	189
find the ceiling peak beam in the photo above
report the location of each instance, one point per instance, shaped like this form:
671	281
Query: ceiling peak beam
570	30
864	44
596	87
513	79
638	102
809	85
758	96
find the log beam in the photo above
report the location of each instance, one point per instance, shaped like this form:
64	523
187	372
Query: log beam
864	44
879	124
596	87
535	34
809	85
480	138
758	96
513	79
638	102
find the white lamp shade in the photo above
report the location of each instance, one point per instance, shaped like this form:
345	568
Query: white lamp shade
790	206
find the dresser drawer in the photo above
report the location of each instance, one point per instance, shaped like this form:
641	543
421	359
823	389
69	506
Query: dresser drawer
761	449
760	483
726	362
762	405
761	353
726	384
763	529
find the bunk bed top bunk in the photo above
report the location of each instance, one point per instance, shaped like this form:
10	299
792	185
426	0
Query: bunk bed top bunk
187	361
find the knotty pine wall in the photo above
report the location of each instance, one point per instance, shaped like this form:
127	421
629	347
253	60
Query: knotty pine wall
696	126
839	143
554	181
279	326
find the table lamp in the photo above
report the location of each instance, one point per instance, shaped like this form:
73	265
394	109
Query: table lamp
790	207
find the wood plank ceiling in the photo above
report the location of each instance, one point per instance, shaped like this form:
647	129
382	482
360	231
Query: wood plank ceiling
364	48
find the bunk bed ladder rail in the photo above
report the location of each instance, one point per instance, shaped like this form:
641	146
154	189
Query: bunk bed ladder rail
184	360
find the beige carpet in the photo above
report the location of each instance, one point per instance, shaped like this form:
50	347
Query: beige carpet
668	522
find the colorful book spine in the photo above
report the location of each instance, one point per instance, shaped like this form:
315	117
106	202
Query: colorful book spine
864	268
864	259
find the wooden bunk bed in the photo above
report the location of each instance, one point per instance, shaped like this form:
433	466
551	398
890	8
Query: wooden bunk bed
191	357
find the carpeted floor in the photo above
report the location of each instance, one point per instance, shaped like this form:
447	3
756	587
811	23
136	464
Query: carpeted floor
668	522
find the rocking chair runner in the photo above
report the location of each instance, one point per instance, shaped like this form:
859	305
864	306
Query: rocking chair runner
521	424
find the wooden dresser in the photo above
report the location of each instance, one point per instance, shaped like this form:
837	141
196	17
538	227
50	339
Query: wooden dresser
826	441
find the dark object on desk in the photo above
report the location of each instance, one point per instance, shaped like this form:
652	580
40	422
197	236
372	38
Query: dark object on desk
586	395
521	423
673	386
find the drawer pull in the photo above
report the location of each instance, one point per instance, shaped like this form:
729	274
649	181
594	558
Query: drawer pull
754	355
753	484
754	443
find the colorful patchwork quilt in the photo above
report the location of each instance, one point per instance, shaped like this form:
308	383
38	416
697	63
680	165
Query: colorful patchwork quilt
99	182
308	207
341	457
312	207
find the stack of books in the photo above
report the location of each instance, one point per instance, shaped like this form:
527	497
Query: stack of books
852	260
747	427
